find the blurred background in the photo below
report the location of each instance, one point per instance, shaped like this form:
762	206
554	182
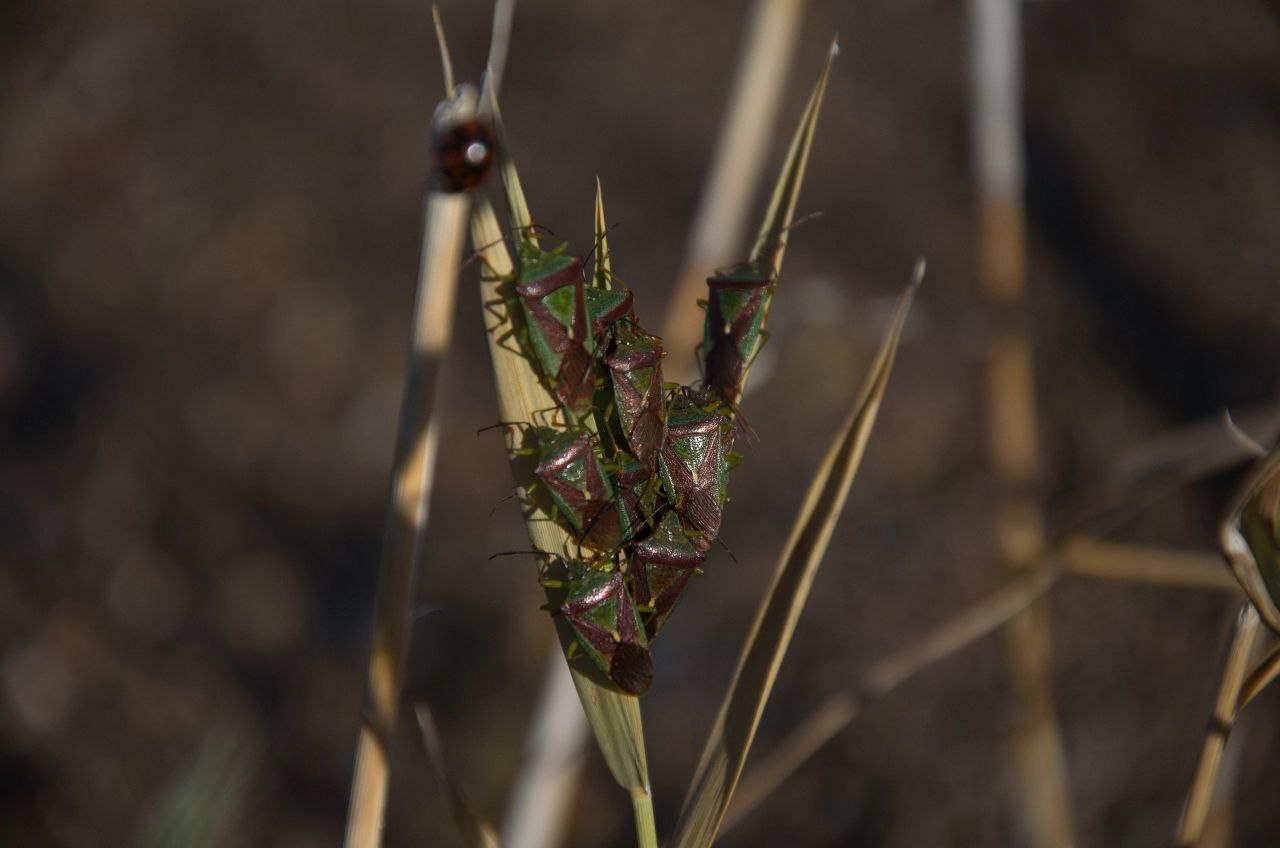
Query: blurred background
209	227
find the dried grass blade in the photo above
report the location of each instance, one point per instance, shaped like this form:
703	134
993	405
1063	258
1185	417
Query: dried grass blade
614	718
476	832
1259	679
1196	809
1102	559
726	749
772	239
520	220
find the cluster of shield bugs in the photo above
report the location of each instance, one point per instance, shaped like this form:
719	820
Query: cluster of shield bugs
635	469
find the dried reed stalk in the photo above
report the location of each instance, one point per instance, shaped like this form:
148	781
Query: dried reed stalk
1042	780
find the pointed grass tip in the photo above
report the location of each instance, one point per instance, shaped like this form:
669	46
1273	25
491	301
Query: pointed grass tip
834	50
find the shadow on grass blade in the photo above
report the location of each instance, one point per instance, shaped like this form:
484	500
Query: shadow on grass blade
476	832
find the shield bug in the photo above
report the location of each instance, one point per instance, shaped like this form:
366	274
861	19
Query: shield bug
607	626
694	463
574	475
737	304
661	567
635	368
550	292
605	307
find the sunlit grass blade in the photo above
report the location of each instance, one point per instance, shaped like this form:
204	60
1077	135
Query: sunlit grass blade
476	832
719	225
771	242
603	267
730	739
519	219
614	717
1195	810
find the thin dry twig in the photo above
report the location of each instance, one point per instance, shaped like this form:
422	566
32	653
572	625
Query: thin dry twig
1100	559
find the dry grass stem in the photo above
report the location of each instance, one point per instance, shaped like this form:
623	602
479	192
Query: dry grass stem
538	812
730	739
412	475
736	168
1260	678
1195	811
840	709
1099	559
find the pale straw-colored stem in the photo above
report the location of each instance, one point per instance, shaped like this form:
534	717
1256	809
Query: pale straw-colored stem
737	167
1100	559
1195	810
555	753
412	476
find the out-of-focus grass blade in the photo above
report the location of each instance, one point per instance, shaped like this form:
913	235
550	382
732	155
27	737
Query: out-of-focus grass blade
614	717
476	832
1250	537
772	239
205	795
726	749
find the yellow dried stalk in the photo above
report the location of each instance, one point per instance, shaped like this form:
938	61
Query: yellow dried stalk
1196	809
